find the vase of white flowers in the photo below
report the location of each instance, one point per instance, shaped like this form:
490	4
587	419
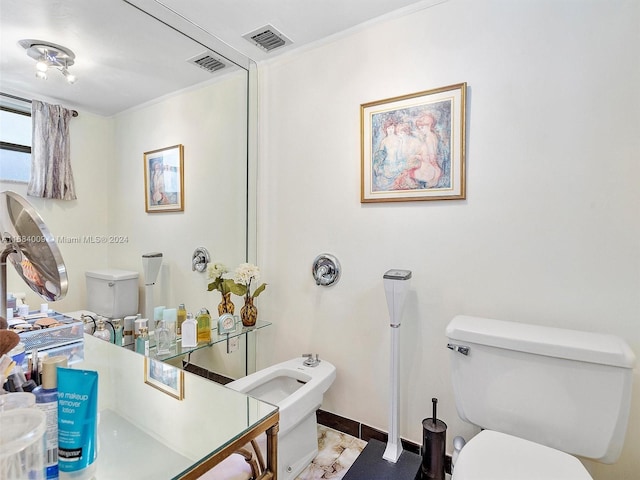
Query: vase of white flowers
249	313
223	285
245	275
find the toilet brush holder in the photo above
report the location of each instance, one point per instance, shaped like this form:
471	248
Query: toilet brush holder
434	439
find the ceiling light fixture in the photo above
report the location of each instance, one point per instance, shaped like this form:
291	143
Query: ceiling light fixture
49	55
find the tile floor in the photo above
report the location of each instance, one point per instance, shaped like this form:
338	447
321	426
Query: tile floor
336	453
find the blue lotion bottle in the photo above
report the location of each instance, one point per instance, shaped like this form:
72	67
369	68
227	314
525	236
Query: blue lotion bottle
142	342
117	331
47	401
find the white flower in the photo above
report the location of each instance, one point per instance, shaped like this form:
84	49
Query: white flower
245	273
216	270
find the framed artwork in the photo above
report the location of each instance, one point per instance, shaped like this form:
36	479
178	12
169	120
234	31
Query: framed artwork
164	377
413	146
163	180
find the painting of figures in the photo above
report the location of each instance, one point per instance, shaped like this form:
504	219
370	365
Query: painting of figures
413	146
163	180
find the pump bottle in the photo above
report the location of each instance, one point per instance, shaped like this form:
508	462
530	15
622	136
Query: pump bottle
47	401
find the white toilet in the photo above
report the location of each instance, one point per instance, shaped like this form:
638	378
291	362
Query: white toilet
537	392
112	293
297	390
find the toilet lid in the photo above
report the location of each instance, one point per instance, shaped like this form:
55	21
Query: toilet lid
497	456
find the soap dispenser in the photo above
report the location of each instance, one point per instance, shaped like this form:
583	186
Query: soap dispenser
47	401
189	332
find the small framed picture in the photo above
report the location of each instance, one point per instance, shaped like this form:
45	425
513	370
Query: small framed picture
164	377
163	180
413	146
226	323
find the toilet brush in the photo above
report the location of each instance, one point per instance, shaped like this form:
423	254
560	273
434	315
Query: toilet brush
433	446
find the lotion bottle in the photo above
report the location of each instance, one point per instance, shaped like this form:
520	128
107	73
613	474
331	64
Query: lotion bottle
127	333
182	316
204	326
47	401
189	332
117	331
138	323
142	342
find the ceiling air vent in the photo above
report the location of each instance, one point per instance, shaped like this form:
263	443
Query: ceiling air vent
268	38
207	61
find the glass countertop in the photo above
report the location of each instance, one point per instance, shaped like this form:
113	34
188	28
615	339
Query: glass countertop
119	437
147	434
153	459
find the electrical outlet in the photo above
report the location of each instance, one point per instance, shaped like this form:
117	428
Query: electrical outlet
233	344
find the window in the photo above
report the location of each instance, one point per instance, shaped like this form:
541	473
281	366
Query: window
15	145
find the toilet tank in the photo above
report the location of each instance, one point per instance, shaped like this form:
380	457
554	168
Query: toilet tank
566	389
112	293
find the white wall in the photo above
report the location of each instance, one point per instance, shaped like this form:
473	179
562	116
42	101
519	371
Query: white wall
549	232
72	222
200	120
210	121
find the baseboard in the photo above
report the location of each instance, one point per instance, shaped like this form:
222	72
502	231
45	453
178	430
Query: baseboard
366	432
203	372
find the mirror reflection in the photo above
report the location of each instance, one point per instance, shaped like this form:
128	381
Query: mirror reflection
122	56
30	248
141	86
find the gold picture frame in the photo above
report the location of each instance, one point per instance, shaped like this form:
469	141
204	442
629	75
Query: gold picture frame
164	180
164	377
413	146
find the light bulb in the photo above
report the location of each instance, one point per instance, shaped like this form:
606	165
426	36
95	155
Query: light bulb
42	66
41	75
71	78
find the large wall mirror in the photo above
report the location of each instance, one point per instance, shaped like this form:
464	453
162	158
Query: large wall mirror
147	79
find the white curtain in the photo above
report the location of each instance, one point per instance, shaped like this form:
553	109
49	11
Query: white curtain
51	175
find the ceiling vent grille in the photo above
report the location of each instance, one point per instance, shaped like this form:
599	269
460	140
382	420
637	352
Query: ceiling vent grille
208	62
267	38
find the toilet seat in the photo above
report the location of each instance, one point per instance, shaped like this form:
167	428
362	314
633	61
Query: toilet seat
497	456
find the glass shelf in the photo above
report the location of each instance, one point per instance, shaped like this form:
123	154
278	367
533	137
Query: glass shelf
179	351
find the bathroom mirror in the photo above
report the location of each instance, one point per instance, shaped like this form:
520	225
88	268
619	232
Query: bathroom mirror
126	52
131	57
141	86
